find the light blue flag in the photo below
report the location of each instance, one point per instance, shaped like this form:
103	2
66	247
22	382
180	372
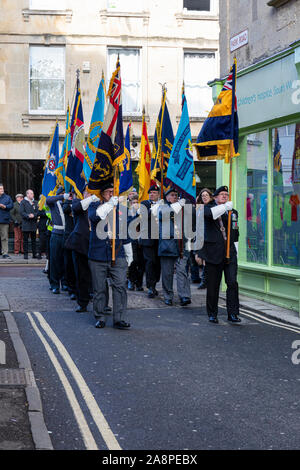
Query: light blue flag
95	131
181	169
125	180
50	179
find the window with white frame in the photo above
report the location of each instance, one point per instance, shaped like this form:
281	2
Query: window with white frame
125	5
199	69
47	4
130	76
47	80
197	5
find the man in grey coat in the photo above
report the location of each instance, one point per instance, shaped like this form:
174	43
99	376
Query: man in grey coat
29	212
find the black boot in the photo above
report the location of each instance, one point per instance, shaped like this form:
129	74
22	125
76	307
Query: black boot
203	283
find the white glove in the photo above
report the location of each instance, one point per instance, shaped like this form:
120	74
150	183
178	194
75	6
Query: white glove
114	200
66	196
228	205
236	244
104	209
176	206
87	201
154	208
128	253
218	210
181	202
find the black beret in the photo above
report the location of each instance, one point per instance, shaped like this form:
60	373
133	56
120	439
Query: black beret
220	189
171	190
108	185
154	187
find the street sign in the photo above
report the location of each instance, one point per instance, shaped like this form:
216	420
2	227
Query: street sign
239	40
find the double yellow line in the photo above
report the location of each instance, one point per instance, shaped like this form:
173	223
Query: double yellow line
88	397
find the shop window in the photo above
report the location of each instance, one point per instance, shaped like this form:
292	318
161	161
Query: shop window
286	195
197	5
256	200
199	69
130	76
47	80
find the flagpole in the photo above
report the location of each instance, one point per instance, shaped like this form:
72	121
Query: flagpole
182	213
114	227
161	153
230	212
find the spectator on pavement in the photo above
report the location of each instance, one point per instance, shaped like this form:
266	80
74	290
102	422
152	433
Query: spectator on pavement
6	205
17	220
29	211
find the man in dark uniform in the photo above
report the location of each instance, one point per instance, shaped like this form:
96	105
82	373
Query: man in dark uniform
150	243
214	254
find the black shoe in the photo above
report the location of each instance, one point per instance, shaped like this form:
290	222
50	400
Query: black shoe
140	289
121	325
25	256
81	309
73	297
34	257
213	319
168	302
151	293
45	271
155	292
203	283
100	324
233	318
56	290
107	309
6	257
130	285
64	288
185	301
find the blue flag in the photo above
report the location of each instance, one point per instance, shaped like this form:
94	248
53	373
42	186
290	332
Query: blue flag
50	179
125	181
76	156
162	144
63	159
181	171
95	131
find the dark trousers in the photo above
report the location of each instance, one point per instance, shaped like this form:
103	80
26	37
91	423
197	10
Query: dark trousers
43	242
214	277
32	236
56	260
137	267
152	265
69	278
83	278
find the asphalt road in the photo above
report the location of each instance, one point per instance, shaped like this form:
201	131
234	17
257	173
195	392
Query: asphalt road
172	382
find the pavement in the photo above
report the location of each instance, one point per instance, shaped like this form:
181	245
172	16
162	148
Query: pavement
22	425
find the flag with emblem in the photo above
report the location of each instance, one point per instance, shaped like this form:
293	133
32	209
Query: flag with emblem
76	156
219	136
143	169
51	164
125	169
61	168
162	143
110	150
94	131
181	171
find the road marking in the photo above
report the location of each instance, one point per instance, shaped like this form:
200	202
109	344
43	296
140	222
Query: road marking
95	411
262	319
87	436
2	353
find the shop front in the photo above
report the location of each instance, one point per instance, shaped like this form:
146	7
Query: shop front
266	179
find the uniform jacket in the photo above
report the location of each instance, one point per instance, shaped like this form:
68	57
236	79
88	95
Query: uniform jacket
101	249
15	214
167	246
57	214
214	248
5	213
42	222
26	208
145	239
69	220
79	238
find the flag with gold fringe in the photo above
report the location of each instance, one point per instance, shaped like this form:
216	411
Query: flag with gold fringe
143	169
94	131
125	169
110	150
50	179
76	155
180	173
219	136
63	159
162	143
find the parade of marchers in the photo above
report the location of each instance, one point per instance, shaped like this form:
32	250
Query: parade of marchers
116	243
